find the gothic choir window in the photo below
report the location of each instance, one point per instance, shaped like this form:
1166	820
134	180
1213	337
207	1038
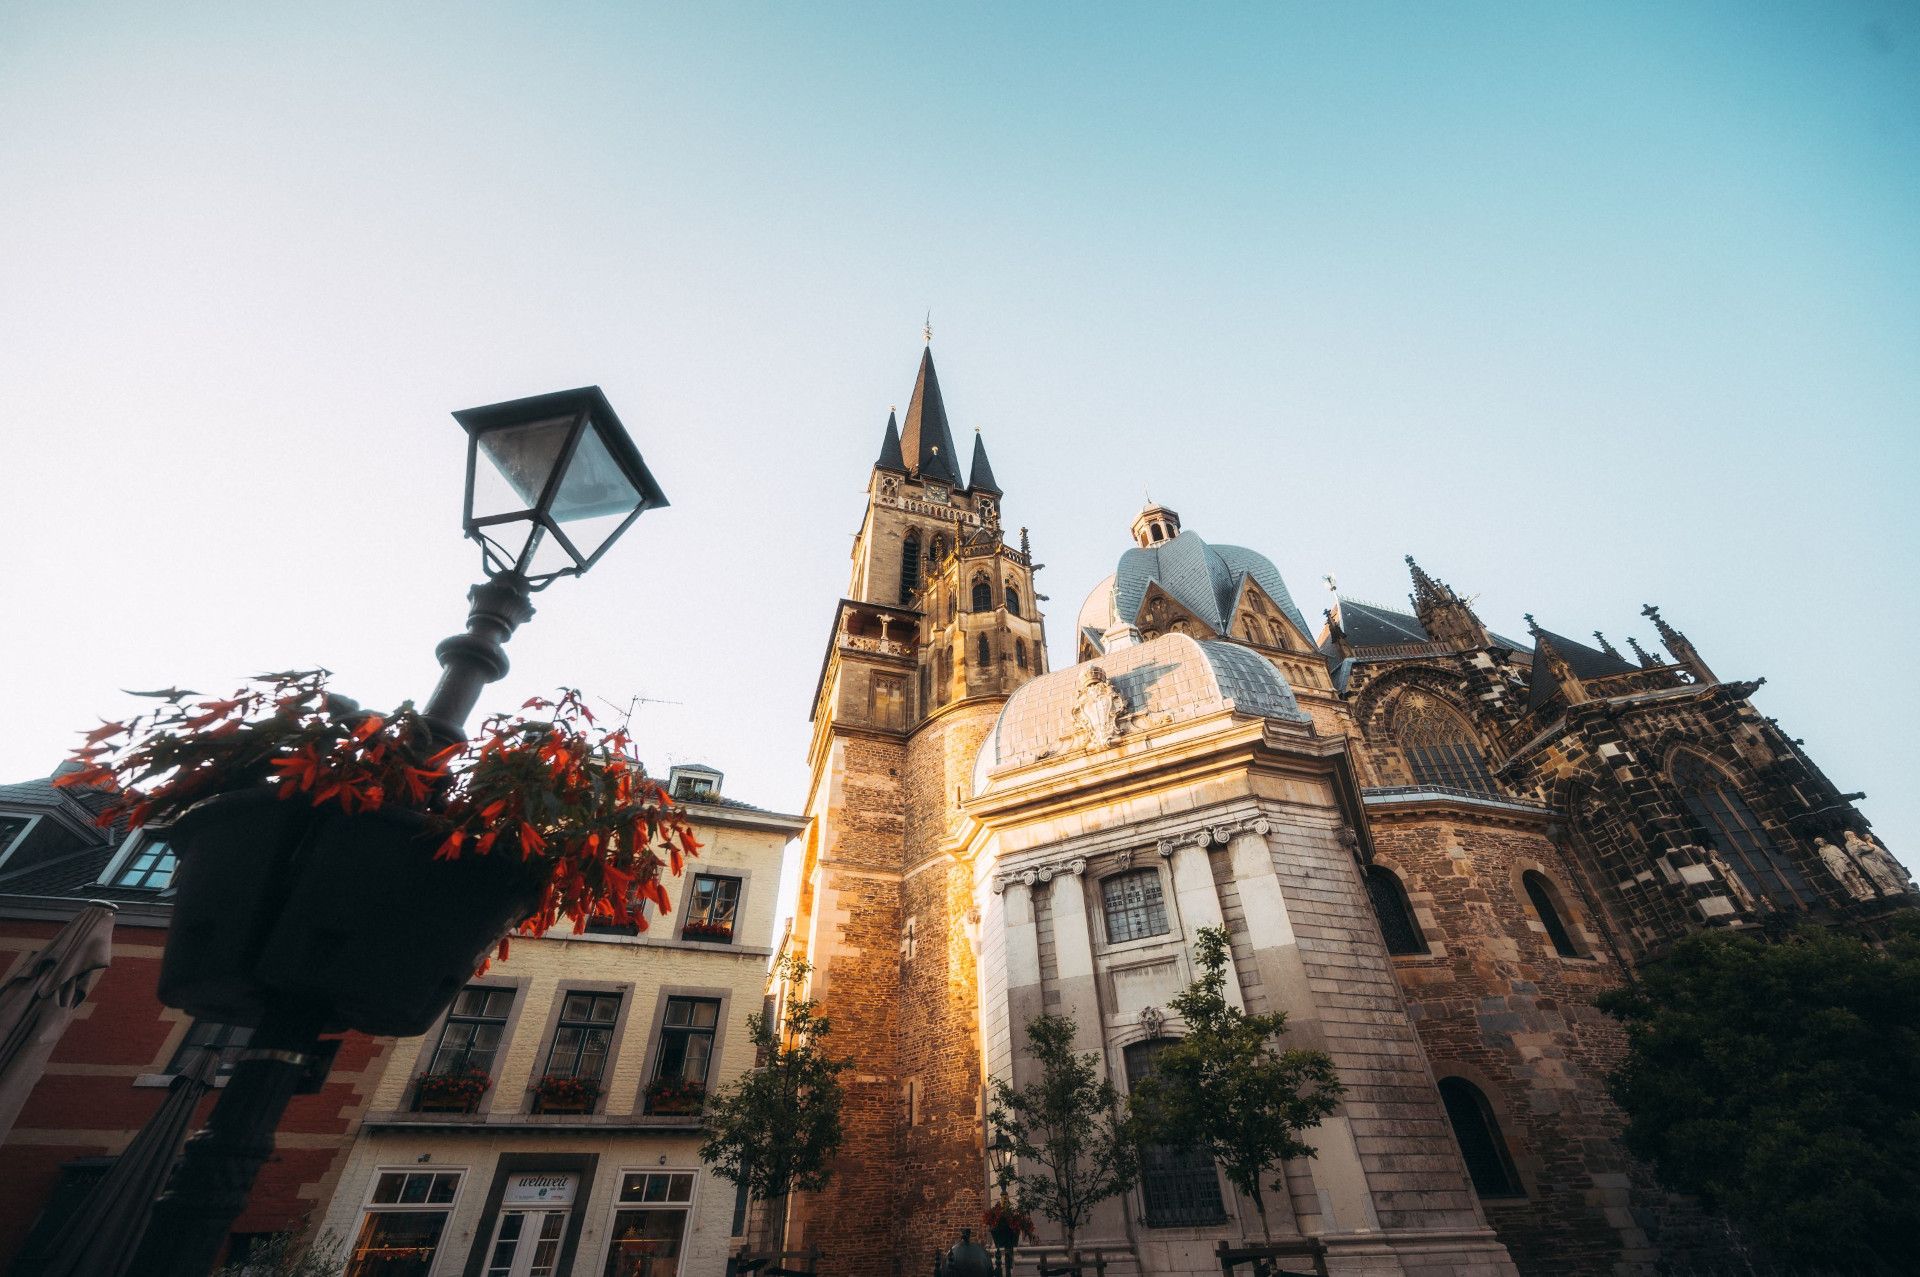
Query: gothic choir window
1440	747
909	567
1736	833
982	595
1546	904
985	652
1391	906
1134	905
1178	1187
1477	1132
1012	594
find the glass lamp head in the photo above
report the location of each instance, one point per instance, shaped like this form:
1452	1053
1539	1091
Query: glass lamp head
552	481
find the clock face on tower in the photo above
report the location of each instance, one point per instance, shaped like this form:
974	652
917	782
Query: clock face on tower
936	493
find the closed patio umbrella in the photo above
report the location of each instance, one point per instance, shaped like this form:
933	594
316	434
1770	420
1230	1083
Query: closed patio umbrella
100	1238
40	997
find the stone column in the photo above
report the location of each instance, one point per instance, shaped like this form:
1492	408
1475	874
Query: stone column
1073	957
1025	999
1199	900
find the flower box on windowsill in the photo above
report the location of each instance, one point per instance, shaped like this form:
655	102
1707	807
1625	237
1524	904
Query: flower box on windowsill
560	1093
450	1092
675	1098
709	932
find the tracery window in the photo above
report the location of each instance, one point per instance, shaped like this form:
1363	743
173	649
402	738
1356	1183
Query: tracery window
982	595
1178	1186
909	567
1542	894
1440	747
1012	594
1390	905
1134	905
1735	832
1477	1132
986	652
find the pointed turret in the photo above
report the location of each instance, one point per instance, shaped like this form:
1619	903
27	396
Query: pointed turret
1444	615
926	443
1605	646
1647	660
981	477
890	458
1551	671
1679	646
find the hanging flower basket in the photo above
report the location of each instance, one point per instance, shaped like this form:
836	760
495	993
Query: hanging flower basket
341	858
675	1097
1007	1225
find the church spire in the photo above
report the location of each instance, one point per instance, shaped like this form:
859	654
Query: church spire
1679	645
980	479
890	448
1446	617
926	443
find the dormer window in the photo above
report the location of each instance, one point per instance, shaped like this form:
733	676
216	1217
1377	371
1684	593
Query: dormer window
693	784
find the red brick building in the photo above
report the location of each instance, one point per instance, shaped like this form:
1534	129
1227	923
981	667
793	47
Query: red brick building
110	1069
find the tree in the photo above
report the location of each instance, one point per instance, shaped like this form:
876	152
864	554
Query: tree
777	1127
1779	1081
1070	1146
288	1254
1227	1088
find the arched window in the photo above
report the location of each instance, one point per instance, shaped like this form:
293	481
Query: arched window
1012	595
950	609
1478	1133
986	652
1390	905
1735	832
1439	746
1178	1187
1020	653
1541	892
1134	906
909	567
982	595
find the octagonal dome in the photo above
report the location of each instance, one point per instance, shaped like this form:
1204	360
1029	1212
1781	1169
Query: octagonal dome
1169	680
1205	579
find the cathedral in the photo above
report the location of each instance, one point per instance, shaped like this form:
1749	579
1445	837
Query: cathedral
1431	845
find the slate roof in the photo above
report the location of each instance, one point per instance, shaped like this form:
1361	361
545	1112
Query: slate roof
1204	578
980	479
890	448
1586	662
1369	626
925	441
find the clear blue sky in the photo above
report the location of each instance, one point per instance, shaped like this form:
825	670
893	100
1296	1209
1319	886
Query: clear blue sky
1586	306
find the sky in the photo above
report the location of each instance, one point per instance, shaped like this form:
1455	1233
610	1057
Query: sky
1584	306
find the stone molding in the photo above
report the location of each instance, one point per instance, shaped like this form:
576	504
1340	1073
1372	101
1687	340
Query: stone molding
1211	836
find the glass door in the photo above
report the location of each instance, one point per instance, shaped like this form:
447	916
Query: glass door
526	1243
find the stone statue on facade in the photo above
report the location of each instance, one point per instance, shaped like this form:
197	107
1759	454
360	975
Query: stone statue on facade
1098	708
1879	865
1742	895
1843	869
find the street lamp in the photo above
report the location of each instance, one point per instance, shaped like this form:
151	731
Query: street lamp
562	481
1002	1150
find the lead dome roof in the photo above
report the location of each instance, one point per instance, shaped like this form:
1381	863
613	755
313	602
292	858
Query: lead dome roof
1203	578
1168	680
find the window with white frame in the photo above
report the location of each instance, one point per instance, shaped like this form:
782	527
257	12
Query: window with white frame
405	1214
13	831
147	862
649	1224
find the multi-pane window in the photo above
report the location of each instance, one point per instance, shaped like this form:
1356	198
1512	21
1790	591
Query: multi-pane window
982	596
473	1030
1440	748
909	567
1178	1187
150	865
225	1040
686	1053
712	909
584	1036
1012	596
649	1224
1541	893
1020	653
1478	1133
405	1215
1736	833
1133	905
1390	905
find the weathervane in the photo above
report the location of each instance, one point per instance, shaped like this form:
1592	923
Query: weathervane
927	331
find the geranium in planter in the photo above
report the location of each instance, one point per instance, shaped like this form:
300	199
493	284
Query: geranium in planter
565	1093
712	932
672	1096
1006	1224
343	859
455	1092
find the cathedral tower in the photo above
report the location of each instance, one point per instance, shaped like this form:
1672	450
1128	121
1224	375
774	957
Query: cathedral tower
939	626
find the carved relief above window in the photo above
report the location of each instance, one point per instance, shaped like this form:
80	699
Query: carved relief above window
1439	745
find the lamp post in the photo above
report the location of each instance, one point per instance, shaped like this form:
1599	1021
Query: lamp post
1005	1237
562	480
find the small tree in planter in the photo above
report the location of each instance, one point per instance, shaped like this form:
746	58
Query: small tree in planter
1227	1088
1072	1149
777	1128
565	1093
310	833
